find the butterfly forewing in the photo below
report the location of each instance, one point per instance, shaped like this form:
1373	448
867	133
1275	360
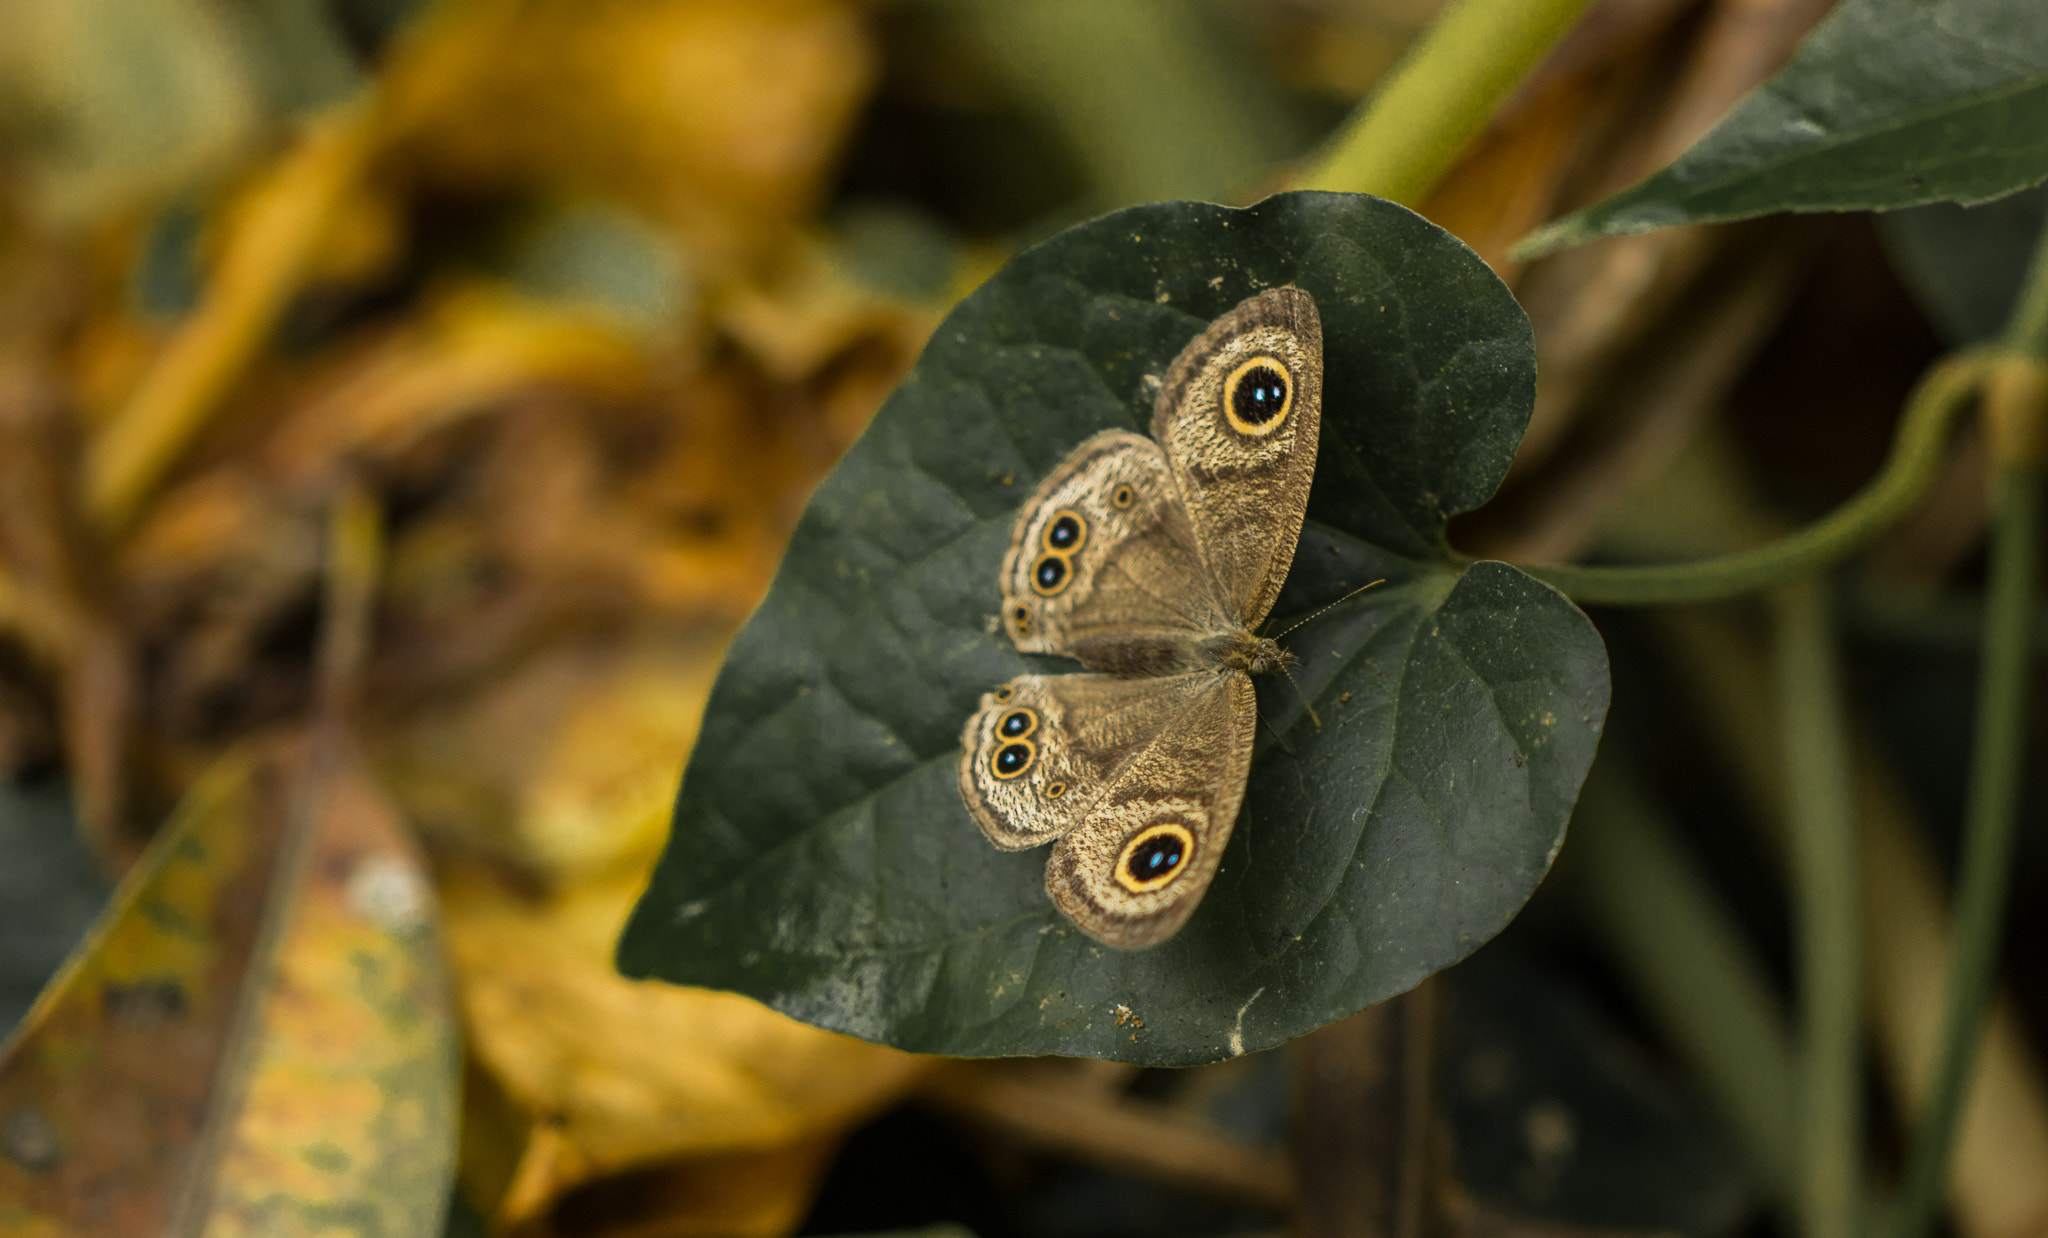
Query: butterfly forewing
1239	416
1102	566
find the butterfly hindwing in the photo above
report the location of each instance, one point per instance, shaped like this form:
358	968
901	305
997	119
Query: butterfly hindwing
1042	749
1133	870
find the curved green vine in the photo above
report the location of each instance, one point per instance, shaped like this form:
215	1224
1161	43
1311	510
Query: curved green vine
2019	502
1916	454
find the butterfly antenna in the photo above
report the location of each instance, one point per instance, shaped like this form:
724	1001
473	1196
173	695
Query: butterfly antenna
1330	606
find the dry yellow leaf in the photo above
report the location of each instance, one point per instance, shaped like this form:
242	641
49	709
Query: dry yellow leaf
622	1074
470	345
721	117
636	1071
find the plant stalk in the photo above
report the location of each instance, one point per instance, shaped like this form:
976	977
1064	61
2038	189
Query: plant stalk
1990	821
1678	948
2017	413
1820	802
1413	127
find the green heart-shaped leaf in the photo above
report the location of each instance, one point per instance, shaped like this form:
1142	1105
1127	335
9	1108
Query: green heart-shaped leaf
822	860
1888	103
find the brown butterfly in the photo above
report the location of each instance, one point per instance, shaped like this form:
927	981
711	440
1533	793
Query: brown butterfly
1152	561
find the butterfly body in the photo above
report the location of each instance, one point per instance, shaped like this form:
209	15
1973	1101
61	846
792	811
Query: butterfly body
1152	561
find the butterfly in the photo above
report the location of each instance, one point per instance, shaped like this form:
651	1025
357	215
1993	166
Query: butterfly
1152	561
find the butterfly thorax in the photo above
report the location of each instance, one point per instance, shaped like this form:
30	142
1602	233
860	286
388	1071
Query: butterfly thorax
1242	651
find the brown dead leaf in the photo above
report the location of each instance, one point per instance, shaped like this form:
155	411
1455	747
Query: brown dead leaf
1508	183
107	1086
731	1195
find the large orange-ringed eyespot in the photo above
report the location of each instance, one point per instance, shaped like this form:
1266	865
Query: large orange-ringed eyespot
1258	395
1065	532
1012	759
1017	724
1050	574
1155	857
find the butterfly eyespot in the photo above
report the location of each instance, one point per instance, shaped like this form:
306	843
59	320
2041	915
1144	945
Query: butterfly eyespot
1005	692
1257	396
1054	790
1012	759
1123	496
1017	724
1155	857
1050	574
1021	616
1066	532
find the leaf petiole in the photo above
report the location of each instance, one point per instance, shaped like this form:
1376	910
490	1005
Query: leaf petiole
1923	431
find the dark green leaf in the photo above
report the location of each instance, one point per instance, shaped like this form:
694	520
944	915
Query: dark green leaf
822	860
1888	103
1964	265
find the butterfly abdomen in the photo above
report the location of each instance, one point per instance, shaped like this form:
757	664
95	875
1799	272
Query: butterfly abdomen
1143	655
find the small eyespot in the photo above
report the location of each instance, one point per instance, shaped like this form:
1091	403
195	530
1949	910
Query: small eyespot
1004	693
1012	759
1066	532
1257	396
1155	857
1022	617
1050	575
1054	790
1017	723
1123	496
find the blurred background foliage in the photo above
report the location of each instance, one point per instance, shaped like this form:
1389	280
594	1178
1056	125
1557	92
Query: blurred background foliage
401	402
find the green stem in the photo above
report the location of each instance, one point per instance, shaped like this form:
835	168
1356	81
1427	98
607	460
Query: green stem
1991	810
2026	332
1916	455
1824	870
1403	139
1990	820
1680	951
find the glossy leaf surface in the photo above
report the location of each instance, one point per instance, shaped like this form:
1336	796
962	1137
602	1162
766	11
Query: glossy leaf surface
821	859
1888	103
1964	265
